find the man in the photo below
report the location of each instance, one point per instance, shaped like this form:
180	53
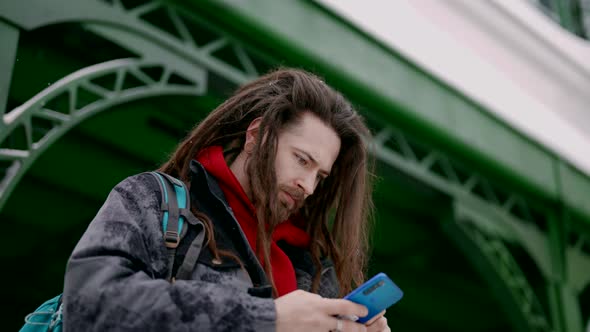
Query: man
279	176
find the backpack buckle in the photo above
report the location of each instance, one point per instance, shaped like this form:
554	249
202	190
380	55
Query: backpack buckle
172	239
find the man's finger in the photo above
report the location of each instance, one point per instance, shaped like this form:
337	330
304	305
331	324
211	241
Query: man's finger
377	316
345	307
346	325
379	325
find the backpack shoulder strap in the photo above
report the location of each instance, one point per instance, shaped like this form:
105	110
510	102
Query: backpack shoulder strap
174	198
175	203
47	317
176	211
192	254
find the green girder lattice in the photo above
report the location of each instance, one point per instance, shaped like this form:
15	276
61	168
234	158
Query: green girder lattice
129	28
512	218
43	124
508	270
182	40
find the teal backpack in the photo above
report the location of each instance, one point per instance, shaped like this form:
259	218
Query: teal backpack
176	205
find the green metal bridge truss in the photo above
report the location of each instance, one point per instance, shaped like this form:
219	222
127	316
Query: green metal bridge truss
44	124
486	221
489	220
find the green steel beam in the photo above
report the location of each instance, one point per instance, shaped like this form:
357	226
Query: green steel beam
150	40
571	309
571	16
508	216
557	244
367	68
575	190
178	50
123	24
441	111
577	264
565	12
9	42
496	219
33	14
513	278
484	257
44	122
563	295
379	78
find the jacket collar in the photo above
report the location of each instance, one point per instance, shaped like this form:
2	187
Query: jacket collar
209	199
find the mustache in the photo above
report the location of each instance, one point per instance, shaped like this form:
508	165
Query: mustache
297	193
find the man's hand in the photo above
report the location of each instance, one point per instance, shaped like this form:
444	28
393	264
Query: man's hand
304	311
378	323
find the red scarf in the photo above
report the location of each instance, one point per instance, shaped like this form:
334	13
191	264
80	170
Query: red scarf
282	269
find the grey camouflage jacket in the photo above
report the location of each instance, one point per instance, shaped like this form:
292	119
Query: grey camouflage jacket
115	277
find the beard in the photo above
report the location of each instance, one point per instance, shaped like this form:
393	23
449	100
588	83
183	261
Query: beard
277	205
293	201
286	201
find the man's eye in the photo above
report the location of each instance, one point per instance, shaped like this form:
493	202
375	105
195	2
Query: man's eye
301	160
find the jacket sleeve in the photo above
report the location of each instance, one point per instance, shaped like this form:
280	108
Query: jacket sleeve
113	280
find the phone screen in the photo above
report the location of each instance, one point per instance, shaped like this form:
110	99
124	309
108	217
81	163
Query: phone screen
377	294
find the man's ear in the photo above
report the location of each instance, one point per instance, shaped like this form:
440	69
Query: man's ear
252	132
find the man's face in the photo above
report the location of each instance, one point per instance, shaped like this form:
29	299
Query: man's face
305	155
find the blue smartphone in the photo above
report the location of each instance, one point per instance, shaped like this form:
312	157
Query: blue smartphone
377	294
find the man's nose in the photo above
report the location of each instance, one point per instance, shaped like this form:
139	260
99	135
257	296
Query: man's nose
307	183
